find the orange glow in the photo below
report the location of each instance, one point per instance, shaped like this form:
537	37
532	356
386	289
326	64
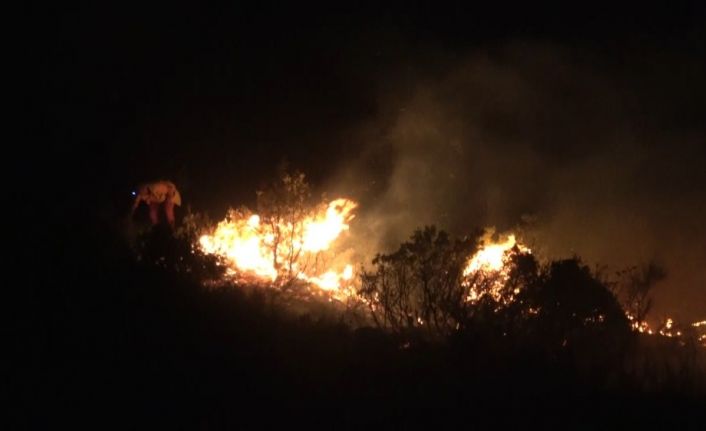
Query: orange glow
304	251
323	229
490	262
288	250
641	327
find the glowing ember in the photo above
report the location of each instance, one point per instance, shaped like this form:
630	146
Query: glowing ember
667	329
490	263
286	250
701	338
641	327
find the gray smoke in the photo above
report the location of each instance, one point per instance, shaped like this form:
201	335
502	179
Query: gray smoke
595	155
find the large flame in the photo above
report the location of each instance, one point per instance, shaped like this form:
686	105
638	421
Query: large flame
322	230
286	250
487	270
493	256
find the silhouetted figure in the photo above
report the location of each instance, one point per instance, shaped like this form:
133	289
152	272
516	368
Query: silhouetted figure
155	195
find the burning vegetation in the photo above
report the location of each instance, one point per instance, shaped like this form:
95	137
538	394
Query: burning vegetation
288	242
275	301
432	283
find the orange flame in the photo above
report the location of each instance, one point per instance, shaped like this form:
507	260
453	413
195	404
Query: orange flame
251	247
321	231
241	242
491	262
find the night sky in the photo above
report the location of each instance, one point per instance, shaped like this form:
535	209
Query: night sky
589	122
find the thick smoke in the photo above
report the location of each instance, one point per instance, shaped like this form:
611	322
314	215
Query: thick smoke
597	155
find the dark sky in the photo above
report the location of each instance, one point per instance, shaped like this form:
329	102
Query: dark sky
591	122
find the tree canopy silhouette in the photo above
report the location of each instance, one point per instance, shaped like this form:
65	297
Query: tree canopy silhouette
419	285
422	287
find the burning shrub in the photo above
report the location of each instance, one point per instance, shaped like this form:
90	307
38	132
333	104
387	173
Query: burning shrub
431	285
288	242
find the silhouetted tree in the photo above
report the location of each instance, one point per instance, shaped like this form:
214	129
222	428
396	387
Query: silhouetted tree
419	285
574	314
282	205
635	287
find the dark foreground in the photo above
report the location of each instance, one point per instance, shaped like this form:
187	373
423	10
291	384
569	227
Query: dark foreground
108	342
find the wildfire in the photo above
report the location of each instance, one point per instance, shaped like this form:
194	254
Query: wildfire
240	241
280	250
321	231
487	270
